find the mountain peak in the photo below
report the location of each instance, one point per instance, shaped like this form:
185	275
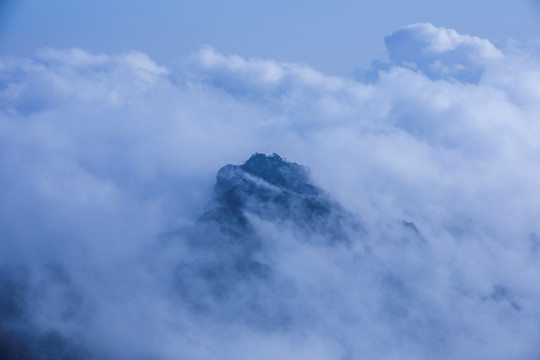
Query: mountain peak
274	189
266	179
277	171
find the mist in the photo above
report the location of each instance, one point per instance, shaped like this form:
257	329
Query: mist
115	244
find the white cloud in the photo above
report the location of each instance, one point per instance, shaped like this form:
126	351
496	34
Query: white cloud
103	152
441	53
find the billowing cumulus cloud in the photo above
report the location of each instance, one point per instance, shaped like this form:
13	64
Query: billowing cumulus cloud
109	160
440	52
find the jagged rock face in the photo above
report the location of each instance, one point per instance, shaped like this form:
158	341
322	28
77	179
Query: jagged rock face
276	190
277	171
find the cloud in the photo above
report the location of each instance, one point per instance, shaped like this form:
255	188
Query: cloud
31	86
103	155
441	53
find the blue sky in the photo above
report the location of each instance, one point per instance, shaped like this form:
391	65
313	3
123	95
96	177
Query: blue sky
332	36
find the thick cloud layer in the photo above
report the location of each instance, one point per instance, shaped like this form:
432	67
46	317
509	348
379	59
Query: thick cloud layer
108	159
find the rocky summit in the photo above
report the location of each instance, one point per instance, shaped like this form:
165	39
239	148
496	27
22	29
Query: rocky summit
229	249
274	189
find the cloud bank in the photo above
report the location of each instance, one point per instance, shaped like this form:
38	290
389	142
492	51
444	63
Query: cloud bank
105	156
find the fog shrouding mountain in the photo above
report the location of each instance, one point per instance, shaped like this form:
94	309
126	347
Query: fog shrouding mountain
399	220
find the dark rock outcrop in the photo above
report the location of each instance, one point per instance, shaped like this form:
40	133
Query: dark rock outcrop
279	191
